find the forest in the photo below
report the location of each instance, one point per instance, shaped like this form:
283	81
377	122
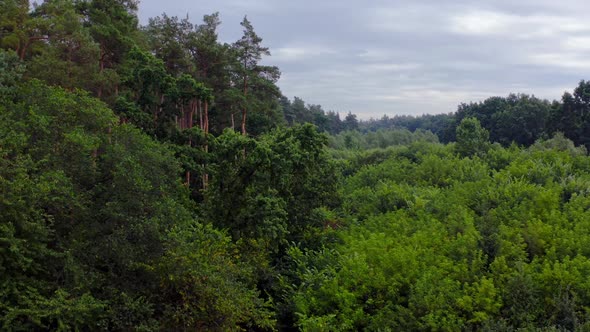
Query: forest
154	178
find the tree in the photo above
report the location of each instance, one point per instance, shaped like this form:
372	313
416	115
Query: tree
257	82
472	139
19	30
350	122
211	60
573	117
518	118
69	56
272	194
113	26
335	122
149	93
48	162
189	95
207	53
168	38
288	111
319	117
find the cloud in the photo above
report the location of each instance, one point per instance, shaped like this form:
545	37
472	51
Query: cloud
374	54
387	67
250	6
562	60
414	18
481	23
488	23
299	53
577	44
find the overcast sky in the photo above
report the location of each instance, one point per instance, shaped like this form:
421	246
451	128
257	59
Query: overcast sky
408	57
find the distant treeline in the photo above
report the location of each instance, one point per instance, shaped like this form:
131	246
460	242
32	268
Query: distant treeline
517	118
329	121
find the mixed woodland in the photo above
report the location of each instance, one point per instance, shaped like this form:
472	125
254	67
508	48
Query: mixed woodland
154	178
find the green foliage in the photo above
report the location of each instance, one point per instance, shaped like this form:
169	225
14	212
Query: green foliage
199	268
472	139
69	57
112	24
442	125
11	71
355	140
518	118
48	139
560	143
437	242
97	231
571	117
268	189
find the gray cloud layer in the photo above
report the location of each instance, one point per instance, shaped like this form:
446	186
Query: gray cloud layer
409	57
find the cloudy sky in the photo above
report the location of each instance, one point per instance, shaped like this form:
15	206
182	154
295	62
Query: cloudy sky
378	57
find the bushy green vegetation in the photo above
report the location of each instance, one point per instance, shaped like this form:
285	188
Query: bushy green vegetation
355	140
436	241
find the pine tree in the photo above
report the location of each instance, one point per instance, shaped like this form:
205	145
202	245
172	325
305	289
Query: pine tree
249	52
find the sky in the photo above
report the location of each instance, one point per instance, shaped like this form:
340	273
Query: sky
378	57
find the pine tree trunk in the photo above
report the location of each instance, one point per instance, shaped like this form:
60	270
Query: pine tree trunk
189	124
158	111
244	121
206	129
181	120
22	54
206	117
101	69
191	114
244	111
23	51
200	108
